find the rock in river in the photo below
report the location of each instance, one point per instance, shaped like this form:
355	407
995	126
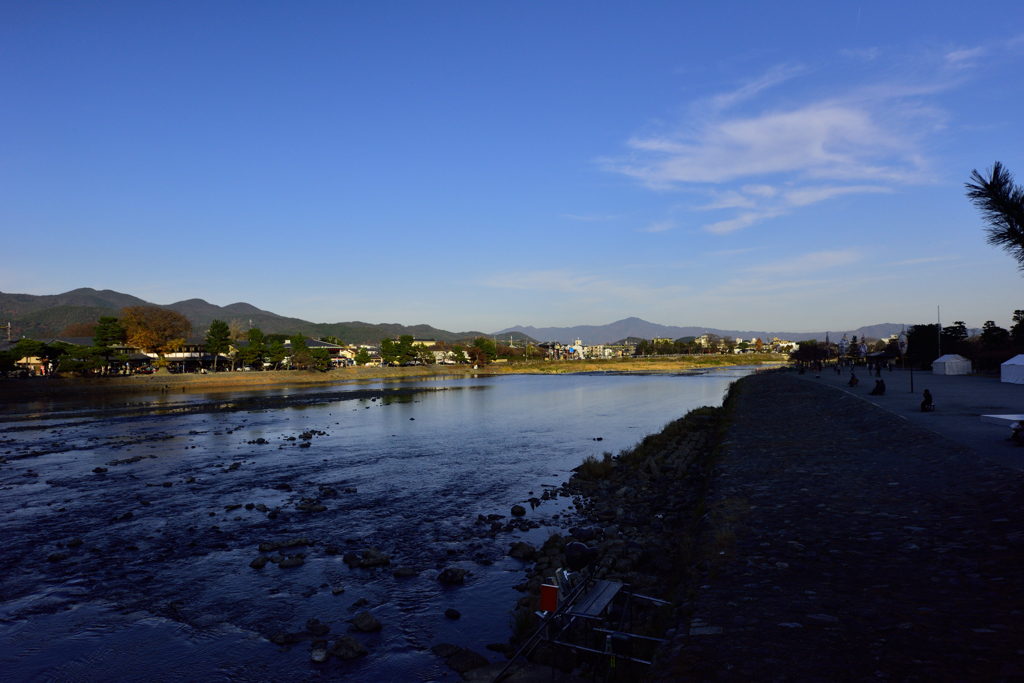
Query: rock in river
317	628
366	622
293	561
452	575
518	511
522	551
259	563
348	647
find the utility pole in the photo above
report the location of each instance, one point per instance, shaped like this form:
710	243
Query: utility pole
938	315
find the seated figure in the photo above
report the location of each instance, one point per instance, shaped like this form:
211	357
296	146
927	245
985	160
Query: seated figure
926	404
853	380
877	391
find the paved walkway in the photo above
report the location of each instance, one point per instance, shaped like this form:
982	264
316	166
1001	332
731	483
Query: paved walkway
960	401
846	543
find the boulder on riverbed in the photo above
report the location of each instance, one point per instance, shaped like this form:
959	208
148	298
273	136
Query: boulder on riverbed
460	659
291	638
268	546
366	622
348	647
522	550
317	628
452	575
293	561
518	511
371	557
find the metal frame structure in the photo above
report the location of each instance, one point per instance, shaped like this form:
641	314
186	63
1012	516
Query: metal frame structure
571	625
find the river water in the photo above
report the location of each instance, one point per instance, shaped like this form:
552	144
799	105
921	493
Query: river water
160	588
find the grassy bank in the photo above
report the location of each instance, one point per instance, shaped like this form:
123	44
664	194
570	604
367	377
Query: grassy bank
164	382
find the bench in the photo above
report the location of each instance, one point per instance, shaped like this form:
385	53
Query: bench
596	600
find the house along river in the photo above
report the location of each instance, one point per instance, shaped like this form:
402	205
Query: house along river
142	571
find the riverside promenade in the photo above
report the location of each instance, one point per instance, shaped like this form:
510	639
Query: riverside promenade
848	541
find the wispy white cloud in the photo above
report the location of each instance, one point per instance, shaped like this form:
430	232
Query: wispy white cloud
763	202
659	226
823	140
759	162
775	76
744	220
920	261
819	260
812	195
964	57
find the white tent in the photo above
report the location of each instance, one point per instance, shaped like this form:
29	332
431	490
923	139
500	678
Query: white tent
952	364
1012	371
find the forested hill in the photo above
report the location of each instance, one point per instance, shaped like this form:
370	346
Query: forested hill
48	315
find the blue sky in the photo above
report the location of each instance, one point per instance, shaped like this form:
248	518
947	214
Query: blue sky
783	166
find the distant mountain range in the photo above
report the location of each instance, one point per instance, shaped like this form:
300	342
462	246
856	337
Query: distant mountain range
48	315
635	327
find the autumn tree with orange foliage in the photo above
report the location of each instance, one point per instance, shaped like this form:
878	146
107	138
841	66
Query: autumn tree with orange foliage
155	329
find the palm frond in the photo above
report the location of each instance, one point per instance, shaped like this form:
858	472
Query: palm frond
1002	206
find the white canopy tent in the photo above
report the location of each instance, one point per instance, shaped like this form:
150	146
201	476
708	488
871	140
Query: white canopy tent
1012	371
951	364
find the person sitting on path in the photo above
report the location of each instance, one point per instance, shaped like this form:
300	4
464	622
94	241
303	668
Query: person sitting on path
853	380
881	387
926	404
876	391
1017	436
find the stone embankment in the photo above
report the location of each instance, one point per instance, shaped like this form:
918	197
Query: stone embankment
639	509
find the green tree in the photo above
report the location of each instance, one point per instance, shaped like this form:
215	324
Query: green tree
332	340
255	349
808	351
1017	331
305	358
362	356
108	333
218	340
276	352
957	332
388	352
1001	203
30	348
459	354
487	346
77	359
993	336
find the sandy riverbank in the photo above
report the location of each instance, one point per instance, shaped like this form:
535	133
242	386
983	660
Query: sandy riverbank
164	382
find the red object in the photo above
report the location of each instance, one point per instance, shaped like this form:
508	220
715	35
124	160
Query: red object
548	598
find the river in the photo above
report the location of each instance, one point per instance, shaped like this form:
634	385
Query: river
160	587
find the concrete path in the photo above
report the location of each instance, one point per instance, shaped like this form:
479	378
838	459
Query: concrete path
960	402
845	543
